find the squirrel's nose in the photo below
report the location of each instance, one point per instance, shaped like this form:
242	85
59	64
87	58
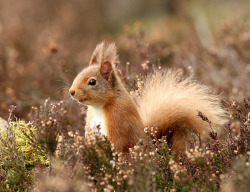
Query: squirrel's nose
72	92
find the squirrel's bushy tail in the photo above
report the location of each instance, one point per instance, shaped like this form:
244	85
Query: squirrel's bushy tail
170	101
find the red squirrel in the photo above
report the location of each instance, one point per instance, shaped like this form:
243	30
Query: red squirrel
167	102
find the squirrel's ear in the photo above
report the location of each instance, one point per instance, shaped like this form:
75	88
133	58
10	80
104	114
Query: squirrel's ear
107	71
109	58
96	57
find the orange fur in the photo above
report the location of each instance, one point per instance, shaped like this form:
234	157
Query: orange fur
124	123
167	101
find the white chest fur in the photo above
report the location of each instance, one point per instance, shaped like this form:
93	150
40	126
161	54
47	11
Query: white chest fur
98	118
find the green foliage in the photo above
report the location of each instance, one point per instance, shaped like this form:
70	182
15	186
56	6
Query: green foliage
18	156
32	154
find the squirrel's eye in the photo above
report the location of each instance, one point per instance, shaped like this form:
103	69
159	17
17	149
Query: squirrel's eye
92	82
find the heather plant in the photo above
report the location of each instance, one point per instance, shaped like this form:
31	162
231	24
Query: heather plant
92	162
48	122
238	177
18	155
43	145
152	166
29	145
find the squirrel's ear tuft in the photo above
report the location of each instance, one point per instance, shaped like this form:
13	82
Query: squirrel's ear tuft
109	58
109	53
107	71
96	57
